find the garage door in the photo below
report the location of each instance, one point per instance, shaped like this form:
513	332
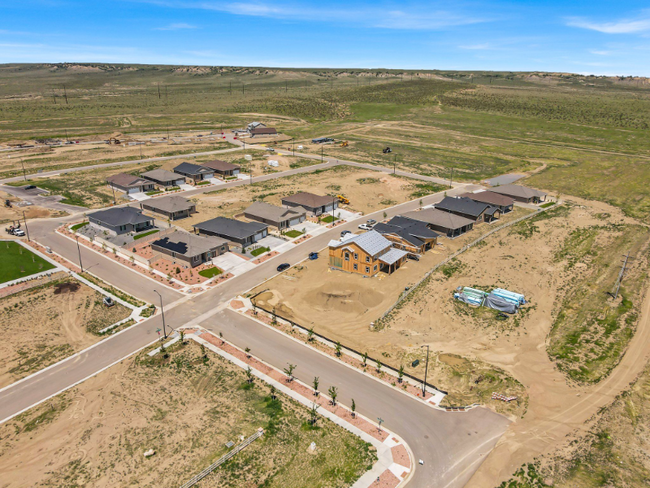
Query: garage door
328	209
133	190
295	221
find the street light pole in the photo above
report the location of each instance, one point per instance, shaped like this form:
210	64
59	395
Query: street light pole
24	174
162	311
26	229
426	370
394	162
81	265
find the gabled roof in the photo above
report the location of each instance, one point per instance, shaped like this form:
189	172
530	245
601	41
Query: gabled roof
371	242
271	212
392	256
309	200
462	205
169	204
518	191
161	175
231	227
188	244
413	231
219	165
127	180
263	131
120	216
440	218
490	197
191	169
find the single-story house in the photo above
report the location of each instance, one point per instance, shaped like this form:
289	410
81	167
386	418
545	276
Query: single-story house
190	248
449	224
194	172
502	202
120	220
322	140
410	235
163	178
314	204
366	254
520	193
129	183
243	233
222	168
279	217
263	132
255	125
173	207
465	207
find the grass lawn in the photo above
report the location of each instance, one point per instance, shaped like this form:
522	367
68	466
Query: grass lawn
144	234
547	204
210	272
329	219
153	192
260	250
17	262
293	233
76	227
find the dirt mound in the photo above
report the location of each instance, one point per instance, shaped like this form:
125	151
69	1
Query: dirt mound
333	296
66	288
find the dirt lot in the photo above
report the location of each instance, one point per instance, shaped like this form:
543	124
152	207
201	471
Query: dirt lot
15	212
48	323
367	190
186	408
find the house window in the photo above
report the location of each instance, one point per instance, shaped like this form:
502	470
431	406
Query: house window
367	269
122	227
356	256
356	266
347	256
375	269
367	259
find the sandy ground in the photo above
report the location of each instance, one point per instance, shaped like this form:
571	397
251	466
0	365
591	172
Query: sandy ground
44	325
367	190
184	407
15	212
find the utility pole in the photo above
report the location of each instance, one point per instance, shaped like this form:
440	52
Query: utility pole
321	153
426	370
114	200
626	258
66	135
230	89
394	163
81	265
24	174
26	229
451	177
65	94
158	91
162	311
293	148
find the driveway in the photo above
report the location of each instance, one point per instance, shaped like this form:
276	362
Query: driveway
39	197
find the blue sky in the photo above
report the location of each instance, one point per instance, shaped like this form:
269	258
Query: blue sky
599	37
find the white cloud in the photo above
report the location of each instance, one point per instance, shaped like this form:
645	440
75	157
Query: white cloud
625	26
477	47
601	53
178	26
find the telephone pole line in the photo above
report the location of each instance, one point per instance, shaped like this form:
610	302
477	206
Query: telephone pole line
626	259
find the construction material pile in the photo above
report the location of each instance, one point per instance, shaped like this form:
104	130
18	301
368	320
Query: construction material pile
498	299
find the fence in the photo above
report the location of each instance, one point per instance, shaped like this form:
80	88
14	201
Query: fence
467	247
222	460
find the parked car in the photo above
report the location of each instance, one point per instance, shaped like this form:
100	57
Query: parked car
313	255
365	227
283	266
345	232
19	233
371	221
412	256
30	187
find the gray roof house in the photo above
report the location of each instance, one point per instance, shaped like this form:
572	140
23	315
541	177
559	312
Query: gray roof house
255	125
120	220
502	202
244	233
450	224
470	209
279	217
222	168
194	171
163	177
263	132
408	234
173	207
129	183
520	193
365	254
189	248
314	204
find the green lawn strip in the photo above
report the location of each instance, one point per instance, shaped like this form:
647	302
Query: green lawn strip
260	250
18	262
114	291
293	233
153	192
329	219
76	227
210	272
547	204
145	234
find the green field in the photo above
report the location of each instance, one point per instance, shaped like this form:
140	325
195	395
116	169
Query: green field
17	262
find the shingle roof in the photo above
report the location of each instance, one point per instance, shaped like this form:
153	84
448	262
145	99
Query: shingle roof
161	175
413	231
263	131
439	218
518	191
392	256
490	197
127	180
188	244
271	212
309	200
371	242
462	205
169	204
191	169
231	227
219	165
120	216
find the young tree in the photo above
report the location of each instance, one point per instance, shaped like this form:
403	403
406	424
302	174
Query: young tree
273	390
333	392
289	372
182	334
315	384
203	350
378	366
353	408
312	413
221	337
337	349
247	351
365	358
400	373
385	215
249	375
310	335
